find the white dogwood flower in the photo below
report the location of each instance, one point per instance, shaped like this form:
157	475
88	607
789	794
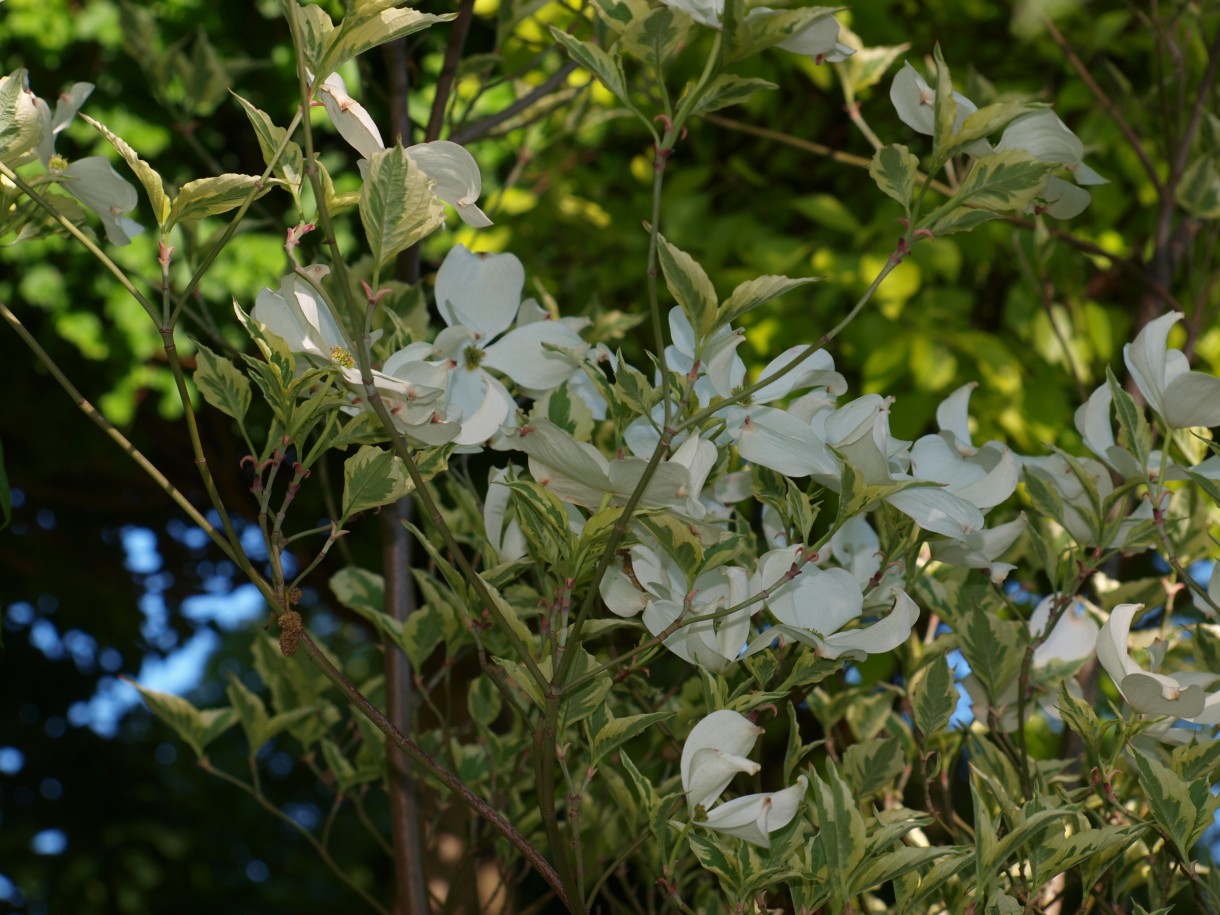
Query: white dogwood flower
453	170
91	180
1179	396
713	754
1146	692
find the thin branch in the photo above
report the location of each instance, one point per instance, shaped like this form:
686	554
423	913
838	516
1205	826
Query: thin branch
121	440
1196	111
453	56
484	126
1113	110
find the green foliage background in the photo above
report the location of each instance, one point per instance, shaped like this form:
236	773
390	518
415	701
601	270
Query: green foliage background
146	832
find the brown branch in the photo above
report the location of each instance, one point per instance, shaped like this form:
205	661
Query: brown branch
1113	110
1196	112
453	56
417	754
481	128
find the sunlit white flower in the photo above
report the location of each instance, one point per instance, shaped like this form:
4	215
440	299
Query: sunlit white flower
453	171
814	605
819	39
1179	396
915	102
298	316
713	754
1147	692
578	473
981	549
984	476
478	296
649	582
755	816
92	180
1049	140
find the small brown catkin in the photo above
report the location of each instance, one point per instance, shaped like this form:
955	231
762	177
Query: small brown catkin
291	628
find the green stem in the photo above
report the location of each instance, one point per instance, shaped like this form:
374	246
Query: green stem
205	472
215	249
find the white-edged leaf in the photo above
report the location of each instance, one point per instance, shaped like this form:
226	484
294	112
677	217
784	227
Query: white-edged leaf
221	383
397	205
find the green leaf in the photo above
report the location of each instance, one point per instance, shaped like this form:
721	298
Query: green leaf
359	590
1002	182
944	109
1131	421
368	24
204	77
752	293
871	766
727	89
211	196
745	37
618	731
1081	718
250	710
958	219
1043	495
935	697
993	647
154	187
290	167
397	205
422	632
220	383
1059	852
678	541
690	287
655	37
544	521
895	169
1182	809
633	389
866	67
196	727
317	30
588	698
880	869
713	857
372	477
1198	193
841	834
569	413
606	66
483	700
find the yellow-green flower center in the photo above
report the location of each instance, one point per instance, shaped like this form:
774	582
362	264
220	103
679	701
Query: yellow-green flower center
342	357
472	356
57	163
